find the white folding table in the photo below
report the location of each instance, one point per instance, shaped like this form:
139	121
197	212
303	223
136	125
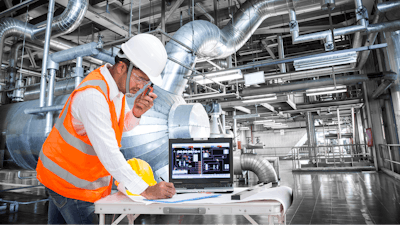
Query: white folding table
119	203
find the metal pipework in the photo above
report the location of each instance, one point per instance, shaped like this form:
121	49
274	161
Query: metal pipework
382	88
46	53
260	166
387	6
49	115
89	49
205	12
14	58
68	21
302	85
61	88
208	41
78	71
281	54
44	109
16	7
362	17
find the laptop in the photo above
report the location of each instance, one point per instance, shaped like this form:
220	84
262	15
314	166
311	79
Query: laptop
201	165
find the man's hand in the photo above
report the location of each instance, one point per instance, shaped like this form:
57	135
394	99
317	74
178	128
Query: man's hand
159	191
143	103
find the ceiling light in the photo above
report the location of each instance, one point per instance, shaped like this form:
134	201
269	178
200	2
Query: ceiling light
244	128
246	116
243	109
325	61
258	96
254	78
260	100
263	121
326	88
326	92
221	75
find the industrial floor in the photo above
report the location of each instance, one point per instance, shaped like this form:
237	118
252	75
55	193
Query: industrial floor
319	198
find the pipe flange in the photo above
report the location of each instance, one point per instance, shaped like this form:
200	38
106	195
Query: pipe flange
294	26
361	13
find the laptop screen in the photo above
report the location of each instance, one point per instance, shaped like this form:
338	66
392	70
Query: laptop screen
201	159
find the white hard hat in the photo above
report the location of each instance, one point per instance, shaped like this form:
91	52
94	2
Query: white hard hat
148	54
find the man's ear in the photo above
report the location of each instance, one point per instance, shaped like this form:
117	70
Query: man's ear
121	67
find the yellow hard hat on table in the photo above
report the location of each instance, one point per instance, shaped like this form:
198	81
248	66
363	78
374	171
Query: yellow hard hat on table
143	169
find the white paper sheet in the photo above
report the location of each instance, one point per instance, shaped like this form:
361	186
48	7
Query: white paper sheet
282	194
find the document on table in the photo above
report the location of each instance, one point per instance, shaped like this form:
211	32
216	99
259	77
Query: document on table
282	194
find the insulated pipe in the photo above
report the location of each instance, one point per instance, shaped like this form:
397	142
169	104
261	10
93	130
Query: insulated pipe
68	21
45	54
14	58
61	88
78	71
281	54
387	6
50	97
235	144
376	26
302	85
260	166
207	40
89	49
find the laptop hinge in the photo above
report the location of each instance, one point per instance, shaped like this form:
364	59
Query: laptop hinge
200	139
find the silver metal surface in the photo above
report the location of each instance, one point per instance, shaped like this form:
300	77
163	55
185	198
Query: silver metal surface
50	98
388	6
61	88
16	7
188	121
302	85
382	88
281	54
78	71
260	166
208	41
68	21
311	135
393	39
46	49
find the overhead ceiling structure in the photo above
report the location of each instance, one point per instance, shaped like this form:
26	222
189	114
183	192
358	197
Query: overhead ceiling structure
245	37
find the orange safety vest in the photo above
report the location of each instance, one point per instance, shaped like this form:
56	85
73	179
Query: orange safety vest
67	163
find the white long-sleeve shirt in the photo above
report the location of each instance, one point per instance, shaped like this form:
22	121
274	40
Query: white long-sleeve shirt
91	117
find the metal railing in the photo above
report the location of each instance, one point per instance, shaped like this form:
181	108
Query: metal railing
389	157
330	156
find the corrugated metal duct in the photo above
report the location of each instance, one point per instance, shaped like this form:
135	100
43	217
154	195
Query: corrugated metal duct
208	41
65	23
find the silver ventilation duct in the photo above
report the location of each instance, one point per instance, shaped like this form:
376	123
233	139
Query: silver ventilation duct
68	21
208	41
257	164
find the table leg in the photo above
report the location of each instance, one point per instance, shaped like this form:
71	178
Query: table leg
119	219
250	219
132	218
102	218
271	220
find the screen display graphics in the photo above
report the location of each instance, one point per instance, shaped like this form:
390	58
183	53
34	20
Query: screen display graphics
200	160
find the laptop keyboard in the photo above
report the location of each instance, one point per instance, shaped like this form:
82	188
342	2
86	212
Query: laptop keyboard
200	186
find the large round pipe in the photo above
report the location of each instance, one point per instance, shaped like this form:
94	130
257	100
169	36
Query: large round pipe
46	53
260	166
207	40
50	97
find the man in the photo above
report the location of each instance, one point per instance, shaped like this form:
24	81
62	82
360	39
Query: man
82	152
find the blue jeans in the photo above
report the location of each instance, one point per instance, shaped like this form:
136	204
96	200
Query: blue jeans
64	210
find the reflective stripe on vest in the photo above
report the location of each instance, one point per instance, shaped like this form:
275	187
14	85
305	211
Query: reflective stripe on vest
101	84
77	182
69	138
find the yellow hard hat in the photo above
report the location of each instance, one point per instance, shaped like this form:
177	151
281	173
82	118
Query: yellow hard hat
143	169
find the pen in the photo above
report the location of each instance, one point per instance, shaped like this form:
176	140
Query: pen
162	179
